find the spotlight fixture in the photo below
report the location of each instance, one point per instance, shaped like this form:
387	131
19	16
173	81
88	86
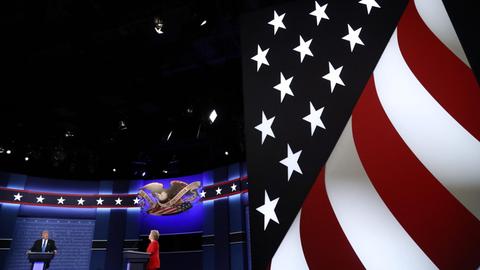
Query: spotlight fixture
169	135
27	158
68	134
158	25
114	170
2	150
144	173
165	171
203	23
198	130
122	125
213	116
8	151
226	153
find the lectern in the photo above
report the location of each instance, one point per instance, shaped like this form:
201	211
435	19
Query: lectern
135	260
39	259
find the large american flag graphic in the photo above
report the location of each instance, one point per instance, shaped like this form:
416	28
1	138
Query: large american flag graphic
363	137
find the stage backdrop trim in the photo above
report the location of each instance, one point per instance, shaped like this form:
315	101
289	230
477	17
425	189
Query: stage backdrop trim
41	198
78	200
225	189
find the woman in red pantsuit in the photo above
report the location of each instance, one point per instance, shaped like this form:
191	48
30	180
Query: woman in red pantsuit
154	250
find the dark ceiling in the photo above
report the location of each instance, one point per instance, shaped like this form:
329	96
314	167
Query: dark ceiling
73	70
80	67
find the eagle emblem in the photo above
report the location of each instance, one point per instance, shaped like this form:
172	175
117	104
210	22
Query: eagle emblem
158	200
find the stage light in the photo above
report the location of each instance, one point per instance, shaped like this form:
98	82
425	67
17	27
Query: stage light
165	171
144	173
122	125
2	150
213	116
158	25
27	158
158	30
169	135
189	110
226	153
114	170
203	23
198	130
8	151
68	134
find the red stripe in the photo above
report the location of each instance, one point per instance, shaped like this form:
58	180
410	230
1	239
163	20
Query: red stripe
442	227
227	182
324	244
167	210
440	71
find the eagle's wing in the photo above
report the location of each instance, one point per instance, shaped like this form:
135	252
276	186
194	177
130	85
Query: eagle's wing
154	187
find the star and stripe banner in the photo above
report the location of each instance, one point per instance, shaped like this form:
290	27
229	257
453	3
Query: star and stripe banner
41	198
362	126
224	189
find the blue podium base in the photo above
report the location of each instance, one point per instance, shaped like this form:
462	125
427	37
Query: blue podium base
38	266
135	266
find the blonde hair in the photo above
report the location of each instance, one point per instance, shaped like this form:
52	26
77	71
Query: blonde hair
155	234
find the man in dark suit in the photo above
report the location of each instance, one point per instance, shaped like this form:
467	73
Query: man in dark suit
44	245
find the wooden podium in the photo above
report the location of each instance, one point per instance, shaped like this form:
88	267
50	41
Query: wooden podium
135	260
38	259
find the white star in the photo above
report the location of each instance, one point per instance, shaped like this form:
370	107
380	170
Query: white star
17	197
353	37
60	200
136	200
202	194
369	4
277	22
304	48
100	201
333	76
118	201
284	87
261	57
219	191
234	187
319	12
81	201
314	118
268	210
291	161
266	127
40	199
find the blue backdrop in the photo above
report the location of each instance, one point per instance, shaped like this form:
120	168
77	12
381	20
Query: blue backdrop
73	238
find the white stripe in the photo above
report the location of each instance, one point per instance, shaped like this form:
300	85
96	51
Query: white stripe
435	16
377	238
289	254
444	147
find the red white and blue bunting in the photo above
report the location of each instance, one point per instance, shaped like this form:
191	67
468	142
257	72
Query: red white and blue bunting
40	198
55	199
224	189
